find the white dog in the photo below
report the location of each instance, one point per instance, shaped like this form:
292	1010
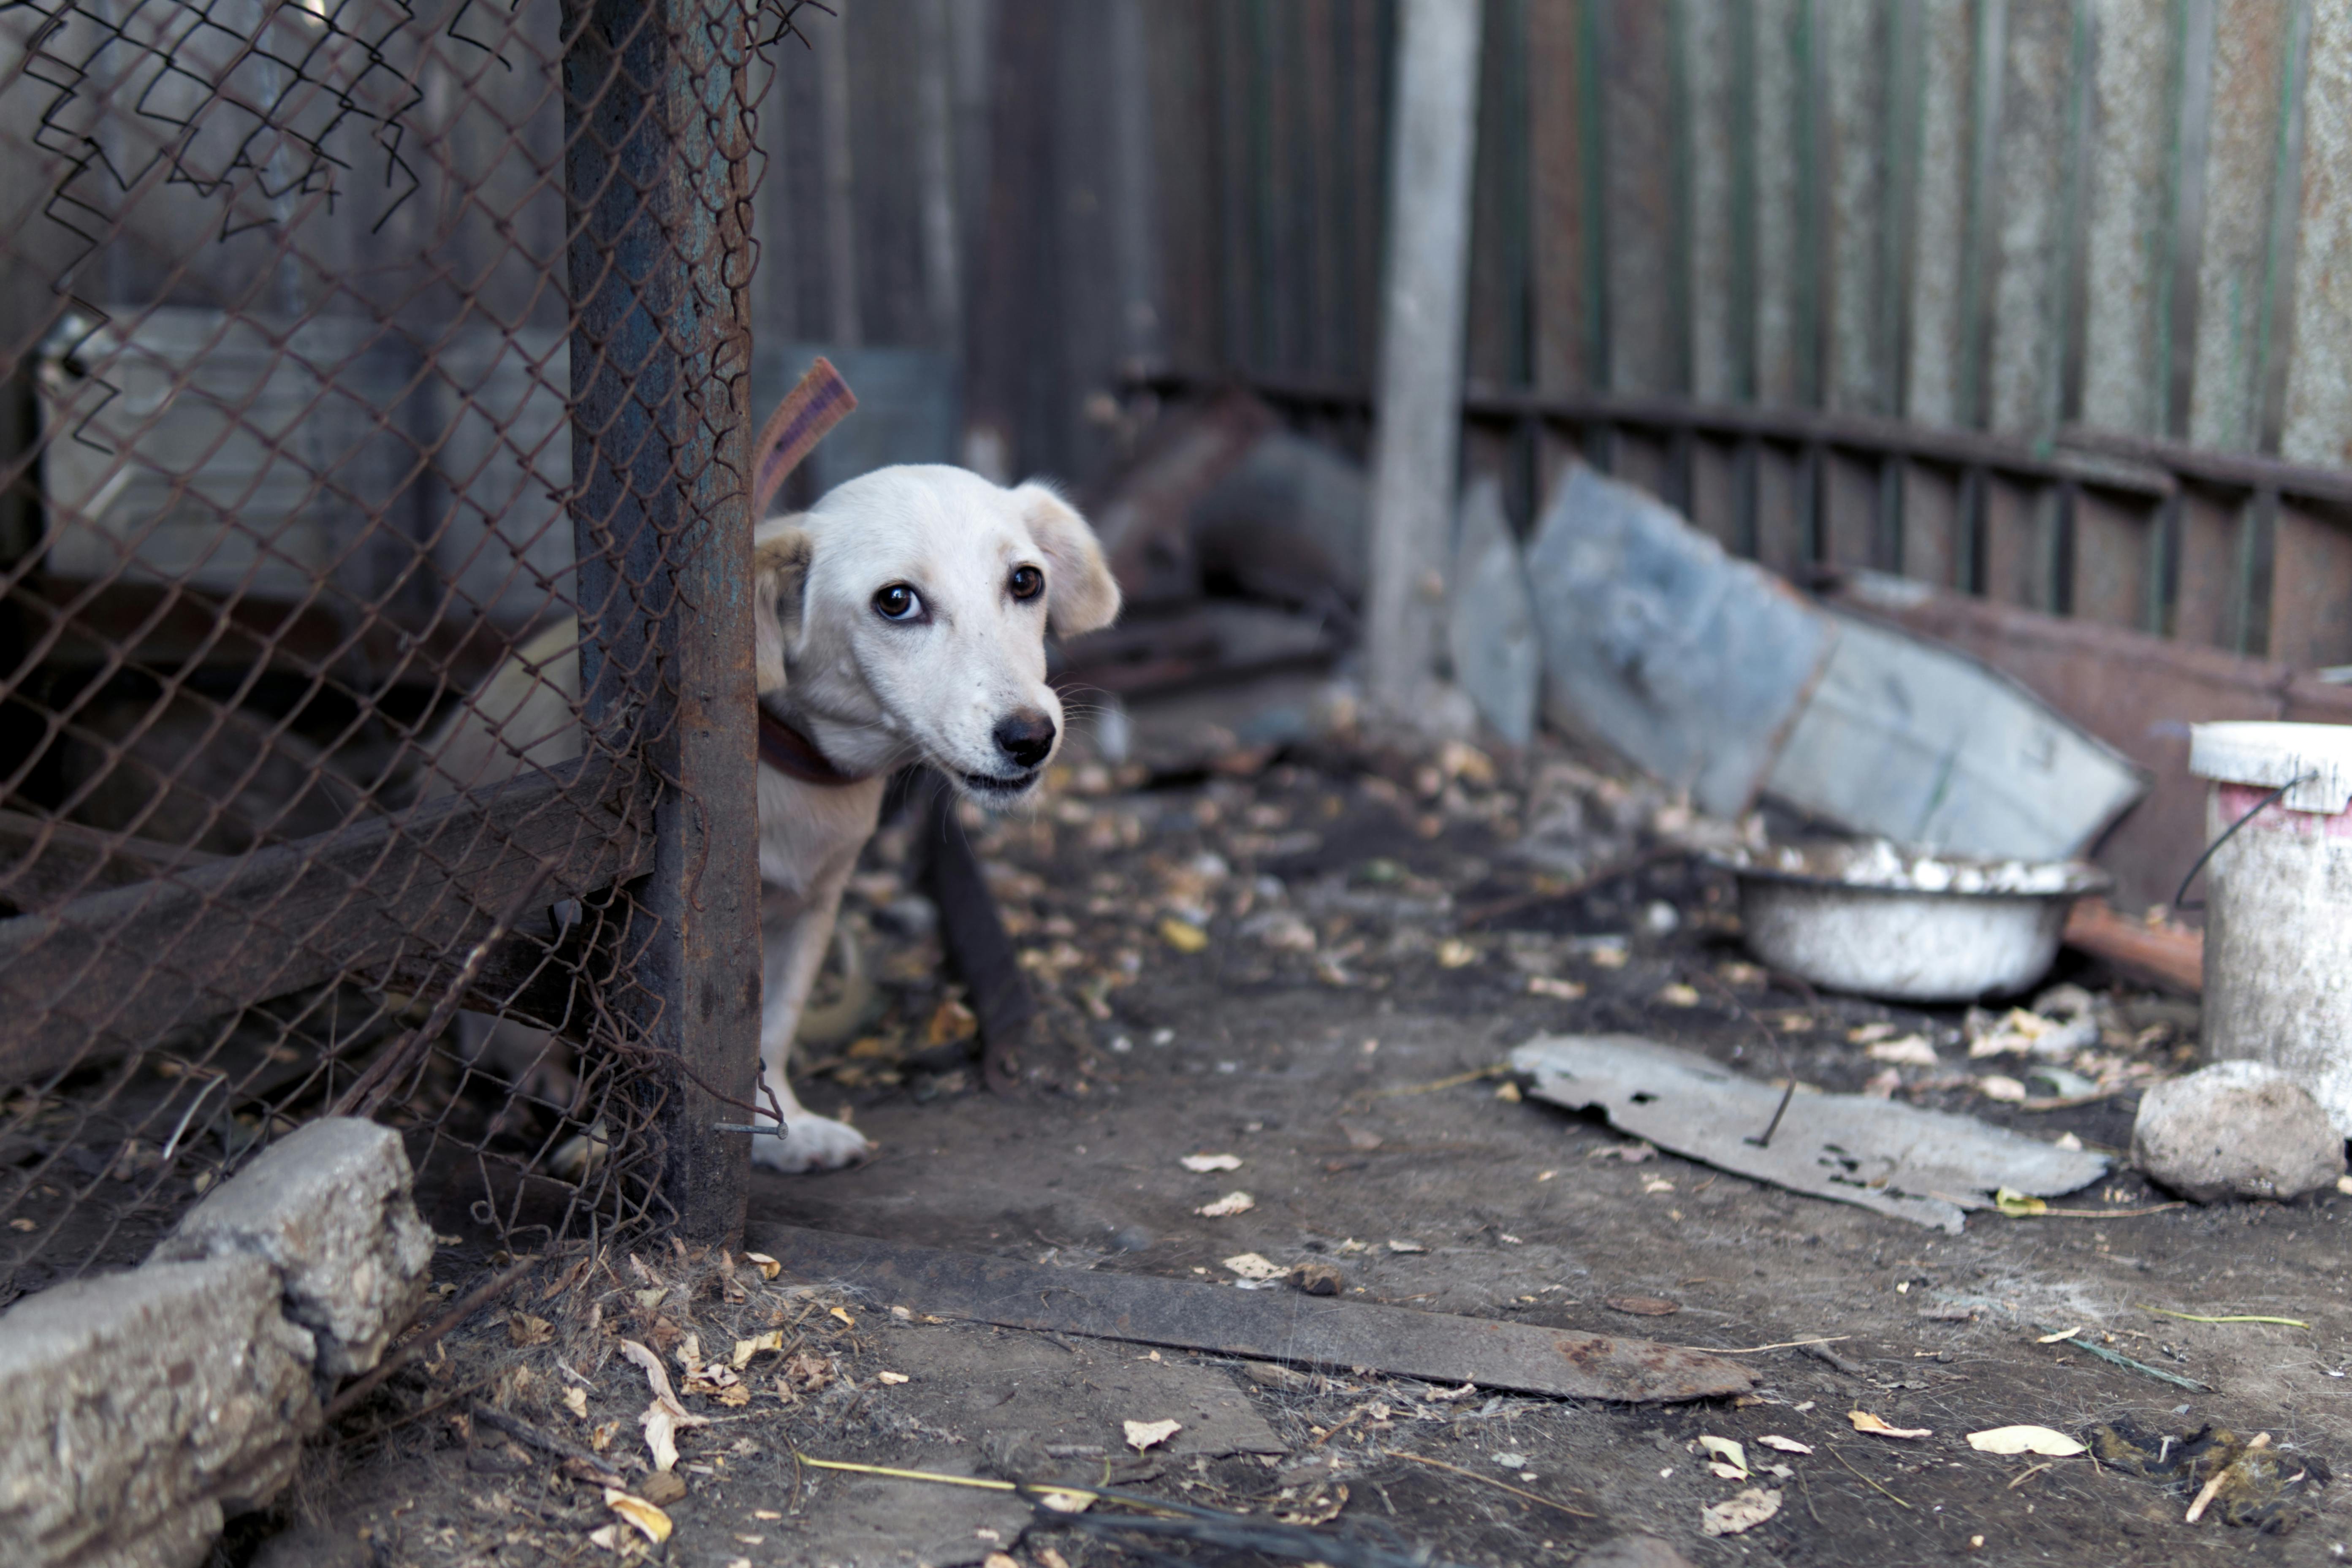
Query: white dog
901	618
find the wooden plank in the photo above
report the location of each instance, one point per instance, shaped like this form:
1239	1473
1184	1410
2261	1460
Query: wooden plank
1640	457
45	861
658	174
1929	539
2311	586
2114	540
112	973
1276	1325
2205	608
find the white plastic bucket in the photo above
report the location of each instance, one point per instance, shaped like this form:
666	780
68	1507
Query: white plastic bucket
2278	903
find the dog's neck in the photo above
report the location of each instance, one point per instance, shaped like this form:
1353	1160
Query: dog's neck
794	755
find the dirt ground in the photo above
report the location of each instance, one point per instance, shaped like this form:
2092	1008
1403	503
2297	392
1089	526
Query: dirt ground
1311	965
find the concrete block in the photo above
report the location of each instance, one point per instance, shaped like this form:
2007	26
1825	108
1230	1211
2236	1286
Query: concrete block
143	1407
2236	1130
328	1208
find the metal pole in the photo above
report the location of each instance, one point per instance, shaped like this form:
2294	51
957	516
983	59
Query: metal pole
1417	441
656	177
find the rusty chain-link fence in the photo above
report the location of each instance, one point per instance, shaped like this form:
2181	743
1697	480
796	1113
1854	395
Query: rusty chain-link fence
354	349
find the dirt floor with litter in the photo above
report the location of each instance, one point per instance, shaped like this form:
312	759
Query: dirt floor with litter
1312	963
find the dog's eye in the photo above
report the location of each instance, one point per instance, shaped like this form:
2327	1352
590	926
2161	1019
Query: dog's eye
898	603
1027	582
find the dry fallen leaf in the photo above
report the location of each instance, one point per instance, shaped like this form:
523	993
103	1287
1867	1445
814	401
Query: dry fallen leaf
2025	1440
1557	990
2061	1335
1254	1266
999	1559
1731	1460
1142	1435
1864	1421
1679	994
890	1377
665	1416
1786	1445
1231	1204
1395	1246
1183	935
575	1399
773	1340
1455	954
1744	1511
522	1329
769	1267
1066	1502
1200	1164
652	1522
843	1316
1910	1051
2000	1087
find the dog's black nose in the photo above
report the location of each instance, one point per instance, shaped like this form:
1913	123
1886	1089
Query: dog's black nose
1026	737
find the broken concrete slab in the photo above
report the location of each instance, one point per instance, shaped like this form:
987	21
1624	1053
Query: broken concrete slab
329	1209
1924	1166
1282	1325
143	1407
1656	643
1490	624
2236	1130
1925	745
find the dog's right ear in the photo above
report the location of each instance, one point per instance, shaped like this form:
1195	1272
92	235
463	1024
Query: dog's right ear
780	568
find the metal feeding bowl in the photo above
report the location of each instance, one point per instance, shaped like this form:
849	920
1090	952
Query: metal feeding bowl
1905	924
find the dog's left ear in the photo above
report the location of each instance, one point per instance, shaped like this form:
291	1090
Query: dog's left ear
779	567
1083	596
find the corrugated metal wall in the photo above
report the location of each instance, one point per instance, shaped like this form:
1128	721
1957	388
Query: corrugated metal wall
2047	300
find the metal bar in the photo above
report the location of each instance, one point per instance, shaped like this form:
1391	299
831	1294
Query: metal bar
656	179
2236	470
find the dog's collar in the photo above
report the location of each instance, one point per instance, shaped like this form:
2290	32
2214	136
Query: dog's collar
794	755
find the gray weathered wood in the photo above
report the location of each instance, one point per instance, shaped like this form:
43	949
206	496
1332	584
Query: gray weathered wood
112	972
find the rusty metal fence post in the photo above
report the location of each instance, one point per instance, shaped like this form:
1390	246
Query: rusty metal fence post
656	178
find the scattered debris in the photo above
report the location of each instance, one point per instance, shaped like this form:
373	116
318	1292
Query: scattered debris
1864	1421
2236	1130
2126	1362
1319	1278
1204	1164
2025	1440
1922	1165
1642	1306
1254	1266
1786	1445
1227	1206
649	1521
2230	1318
1730	1461
1744	1513
2254	1483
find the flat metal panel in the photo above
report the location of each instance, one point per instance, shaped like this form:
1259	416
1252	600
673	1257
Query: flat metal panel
1784	522
1717	493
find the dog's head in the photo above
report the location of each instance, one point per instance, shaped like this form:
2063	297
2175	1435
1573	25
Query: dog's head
906	611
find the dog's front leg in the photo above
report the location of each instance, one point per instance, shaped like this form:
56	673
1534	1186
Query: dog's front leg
793	946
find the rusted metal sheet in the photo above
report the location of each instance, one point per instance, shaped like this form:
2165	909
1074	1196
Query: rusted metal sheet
1646	332
2021	545
1784	520
2311	585
1931	520
2114	543
2208	600
2318	425
1849	513
1276	1325
1717	493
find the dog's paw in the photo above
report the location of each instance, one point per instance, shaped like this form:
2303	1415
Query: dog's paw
811	1143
